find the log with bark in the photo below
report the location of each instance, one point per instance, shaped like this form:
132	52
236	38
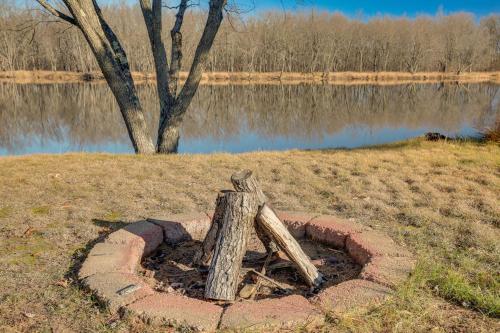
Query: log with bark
203	256
236	215
235	224
267	219
245	181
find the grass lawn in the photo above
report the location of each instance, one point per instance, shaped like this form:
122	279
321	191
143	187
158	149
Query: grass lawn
441	200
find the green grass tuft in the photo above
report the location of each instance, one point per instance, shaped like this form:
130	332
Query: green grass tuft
453	285
40	210
5	212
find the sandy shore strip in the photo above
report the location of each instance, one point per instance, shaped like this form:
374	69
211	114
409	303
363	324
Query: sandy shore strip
244	78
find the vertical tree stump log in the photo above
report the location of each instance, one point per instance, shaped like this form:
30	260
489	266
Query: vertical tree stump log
244	181
203	256
239	210
272	225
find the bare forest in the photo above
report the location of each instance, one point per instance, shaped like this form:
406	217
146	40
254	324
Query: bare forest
308	41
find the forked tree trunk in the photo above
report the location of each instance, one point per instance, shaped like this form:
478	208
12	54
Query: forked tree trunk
168	138
273	226
114	65
112	60
245	181
239	210
172	115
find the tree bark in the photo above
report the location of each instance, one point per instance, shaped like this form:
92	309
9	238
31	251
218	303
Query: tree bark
113	62
244	181
239	210
204	255
272	225
170	120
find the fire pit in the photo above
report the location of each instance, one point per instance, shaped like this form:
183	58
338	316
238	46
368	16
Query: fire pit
164	269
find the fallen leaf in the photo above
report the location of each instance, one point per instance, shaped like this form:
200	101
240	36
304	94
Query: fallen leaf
28	232
62	283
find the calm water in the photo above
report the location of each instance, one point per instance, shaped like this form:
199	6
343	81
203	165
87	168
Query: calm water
84	117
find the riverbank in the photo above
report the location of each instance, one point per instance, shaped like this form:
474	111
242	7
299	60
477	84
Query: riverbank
440	200
242	78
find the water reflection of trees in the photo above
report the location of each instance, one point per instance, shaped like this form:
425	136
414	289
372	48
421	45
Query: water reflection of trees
309	111
86	114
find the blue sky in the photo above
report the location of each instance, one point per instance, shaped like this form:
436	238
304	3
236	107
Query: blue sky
370	8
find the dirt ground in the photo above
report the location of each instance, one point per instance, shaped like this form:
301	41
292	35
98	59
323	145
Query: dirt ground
439	199
171	266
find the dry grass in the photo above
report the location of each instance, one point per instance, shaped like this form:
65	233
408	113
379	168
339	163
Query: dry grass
441	200
493	133
213	78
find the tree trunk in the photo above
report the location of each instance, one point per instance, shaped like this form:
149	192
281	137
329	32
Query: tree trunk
114	65
203	256
168	139
268	220
244	181
112	60
239	210
171	117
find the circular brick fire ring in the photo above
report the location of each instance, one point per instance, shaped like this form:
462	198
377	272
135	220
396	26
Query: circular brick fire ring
110	272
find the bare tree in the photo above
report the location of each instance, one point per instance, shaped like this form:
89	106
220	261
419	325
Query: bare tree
113	62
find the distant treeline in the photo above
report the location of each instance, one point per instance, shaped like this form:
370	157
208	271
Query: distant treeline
275	41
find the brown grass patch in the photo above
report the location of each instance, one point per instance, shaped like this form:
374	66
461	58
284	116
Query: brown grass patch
421	193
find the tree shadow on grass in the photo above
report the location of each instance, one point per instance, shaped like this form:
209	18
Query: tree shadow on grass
79	256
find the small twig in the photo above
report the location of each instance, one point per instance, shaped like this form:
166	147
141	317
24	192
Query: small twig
263	272
268	279
186	273
57	13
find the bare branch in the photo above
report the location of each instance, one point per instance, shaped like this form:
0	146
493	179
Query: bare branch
57	13
214	19
176	52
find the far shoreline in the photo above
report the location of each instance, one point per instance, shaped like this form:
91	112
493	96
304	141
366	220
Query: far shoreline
268	78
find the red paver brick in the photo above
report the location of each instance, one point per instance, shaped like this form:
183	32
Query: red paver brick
117	289
295	222
109	257
332	230
176	310
282	312
351	294
369	244
142	232
388	271
182	227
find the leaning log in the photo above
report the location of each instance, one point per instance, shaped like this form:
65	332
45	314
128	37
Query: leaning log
239	210
272	225
245	181
204	254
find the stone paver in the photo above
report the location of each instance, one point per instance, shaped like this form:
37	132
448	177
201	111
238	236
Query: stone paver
110	271
182	227
332	230
178	310
282	312
295	222
109	257
142	232
351	294
388	271
117	289
368	244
